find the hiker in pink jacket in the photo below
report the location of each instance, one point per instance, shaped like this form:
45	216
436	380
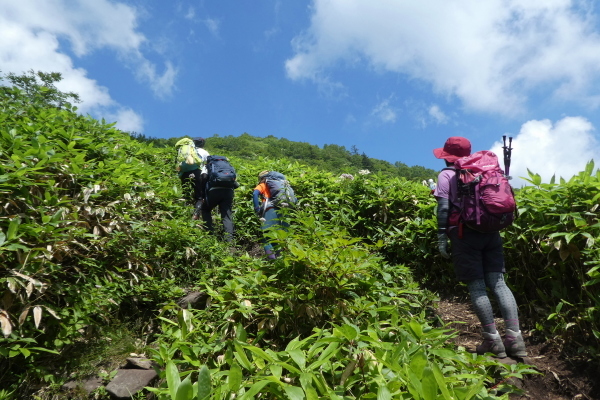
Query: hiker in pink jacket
477	257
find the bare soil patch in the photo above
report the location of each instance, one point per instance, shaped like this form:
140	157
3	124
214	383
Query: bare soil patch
563	376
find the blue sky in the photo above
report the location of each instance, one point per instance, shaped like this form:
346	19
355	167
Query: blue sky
394	78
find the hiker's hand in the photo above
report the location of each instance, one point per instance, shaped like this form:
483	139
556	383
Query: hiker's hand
257	210
443	245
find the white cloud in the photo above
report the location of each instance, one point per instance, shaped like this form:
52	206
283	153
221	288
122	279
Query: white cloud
384	111
350	119
562	149
191	14
213	26
162	85
22	49
436	113
86	24
33	33
490	54
127	120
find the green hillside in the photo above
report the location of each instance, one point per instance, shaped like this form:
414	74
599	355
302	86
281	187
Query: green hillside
97	245
332	158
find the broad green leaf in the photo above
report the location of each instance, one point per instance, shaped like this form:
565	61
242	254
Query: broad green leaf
383	393
184	317
418	363
235	377
306	379
441	381
240	356
416	328
25	351
185	391
294	392
414	385
289	367
240	333
204	384
173	378
333	395
429	385
475	389
295	343
255	389
259	352
589	169
311	393
325	355
351	332
444	353
12	228
298	357
44	350
276	370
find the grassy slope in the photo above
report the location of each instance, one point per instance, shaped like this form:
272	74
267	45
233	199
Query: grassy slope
94	231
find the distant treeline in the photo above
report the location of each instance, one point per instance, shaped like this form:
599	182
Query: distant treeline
331	157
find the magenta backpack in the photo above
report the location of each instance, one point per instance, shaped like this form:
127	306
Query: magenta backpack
486	199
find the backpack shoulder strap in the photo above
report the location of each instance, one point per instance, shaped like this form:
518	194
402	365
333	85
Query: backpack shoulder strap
450	169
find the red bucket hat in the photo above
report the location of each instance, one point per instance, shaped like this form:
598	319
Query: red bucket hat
455	147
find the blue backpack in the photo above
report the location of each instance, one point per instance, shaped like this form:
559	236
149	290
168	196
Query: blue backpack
220	173
281	193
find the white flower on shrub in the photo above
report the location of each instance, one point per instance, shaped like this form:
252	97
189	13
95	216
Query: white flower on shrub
364	172
349	177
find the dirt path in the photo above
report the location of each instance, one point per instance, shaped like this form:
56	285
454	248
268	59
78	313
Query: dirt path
562	378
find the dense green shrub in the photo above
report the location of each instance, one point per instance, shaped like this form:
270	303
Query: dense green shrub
87	215
553	252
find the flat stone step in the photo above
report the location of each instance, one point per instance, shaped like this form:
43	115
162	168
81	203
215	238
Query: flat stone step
127	382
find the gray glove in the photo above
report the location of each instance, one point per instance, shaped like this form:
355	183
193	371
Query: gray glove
443	210
443	245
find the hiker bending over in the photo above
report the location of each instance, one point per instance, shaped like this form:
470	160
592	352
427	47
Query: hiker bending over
477	257
191	160
269	213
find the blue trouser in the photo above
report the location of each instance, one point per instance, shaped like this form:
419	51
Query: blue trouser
272	220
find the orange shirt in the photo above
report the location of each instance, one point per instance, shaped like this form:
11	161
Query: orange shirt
263	190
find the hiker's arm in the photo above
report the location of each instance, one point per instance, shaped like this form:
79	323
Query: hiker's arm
443	210
256	200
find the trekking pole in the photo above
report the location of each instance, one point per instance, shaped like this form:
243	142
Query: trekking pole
263	208
507	154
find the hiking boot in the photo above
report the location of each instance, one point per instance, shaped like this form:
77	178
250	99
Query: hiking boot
492	343
514	344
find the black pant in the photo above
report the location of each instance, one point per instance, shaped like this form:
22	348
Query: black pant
222	197
476	253
193	186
